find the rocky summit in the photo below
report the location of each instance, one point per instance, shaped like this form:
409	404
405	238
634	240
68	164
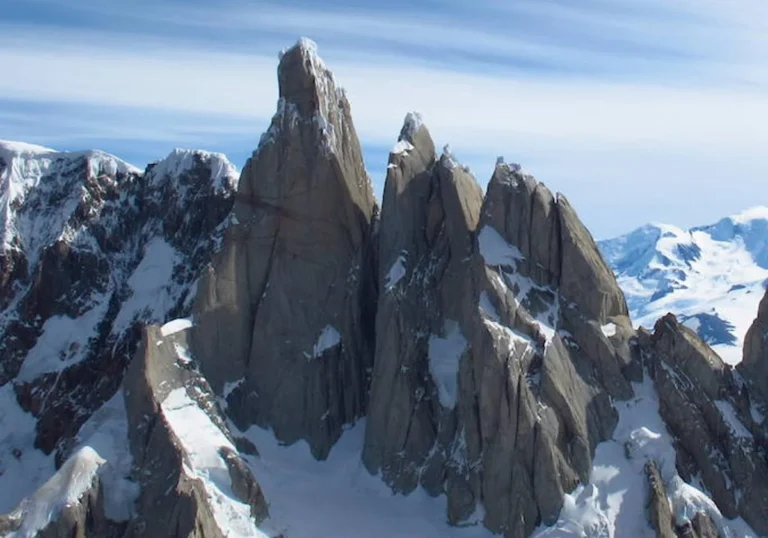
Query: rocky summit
189	354
289	301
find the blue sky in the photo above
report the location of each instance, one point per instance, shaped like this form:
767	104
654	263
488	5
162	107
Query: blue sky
637	110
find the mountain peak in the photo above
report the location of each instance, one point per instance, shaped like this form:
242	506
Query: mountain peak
412	123
21	148
750	214
304	80
179	161
709	276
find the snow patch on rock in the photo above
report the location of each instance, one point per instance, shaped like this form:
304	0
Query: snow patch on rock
402	146
487	308
395	273
411	125
329	337
609	329
151	285
610	505
63	342
23	468
309	498
731	419
444	354
201	440
176	325
495	250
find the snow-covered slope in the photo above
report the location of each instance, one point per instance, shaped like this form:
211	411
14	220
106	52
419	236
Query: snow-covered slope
711	277
93	248
611	503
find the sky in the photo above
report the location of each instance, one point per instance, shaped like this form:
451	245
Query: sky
636	110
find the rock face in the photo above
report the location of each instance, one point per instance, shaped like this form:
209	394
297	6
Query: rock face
285	313
70	504
92	249
755	364
501	336
182	448
659	511
708	408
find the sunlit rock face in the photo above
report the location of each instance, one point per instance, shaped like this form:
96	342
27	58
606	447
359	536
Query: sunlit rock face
285	314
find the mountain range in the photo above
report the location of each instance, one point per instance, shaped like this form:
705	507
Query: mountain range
711	277
192	351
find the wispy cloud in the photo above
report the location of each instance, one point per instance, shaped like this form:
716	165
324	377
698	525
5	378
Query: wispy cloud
659	96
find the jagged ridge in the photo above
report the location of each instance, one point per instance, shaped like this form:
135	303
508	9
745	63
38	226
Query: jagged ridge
500	343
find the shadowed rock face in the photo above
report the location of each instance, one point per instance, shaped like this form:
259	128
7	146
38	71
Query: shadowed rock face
708	408
493	371
87	226
284	313
755	363
657	507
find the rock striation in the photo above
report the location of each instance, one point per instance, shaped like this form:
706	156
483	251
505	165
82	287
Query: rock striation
284	315
184	454
501	336
754	366
708	408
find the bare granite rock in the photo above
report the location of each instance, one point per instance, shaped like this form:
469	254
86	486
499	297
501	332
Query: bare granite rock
174	501
494	368
284	314
706	407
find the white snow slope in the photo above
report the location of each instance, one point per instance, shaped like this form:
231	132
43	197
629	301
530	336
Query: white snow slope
711	277
612	504
339	498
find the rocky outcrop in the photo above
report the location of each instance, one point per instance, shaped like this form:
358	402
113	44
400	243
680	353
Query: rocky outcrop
501	336
431	207
173	419
283	328
70	504
706	407
658	509
105	248
755	363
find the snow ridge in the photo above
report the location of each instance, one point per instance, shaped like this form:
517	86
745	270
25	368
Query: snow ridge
711	277
224	174
64	488
43	175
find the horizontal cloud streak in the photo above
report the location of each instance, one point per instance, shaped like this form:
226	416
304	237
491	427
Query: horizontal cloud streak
471	110
585	94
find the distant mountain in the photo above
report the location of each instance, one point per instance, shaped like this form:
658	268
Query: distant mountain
711	277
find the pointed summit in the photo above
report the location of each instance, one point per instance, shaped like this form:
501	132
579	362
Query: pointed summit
280	313
411	125
305	81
